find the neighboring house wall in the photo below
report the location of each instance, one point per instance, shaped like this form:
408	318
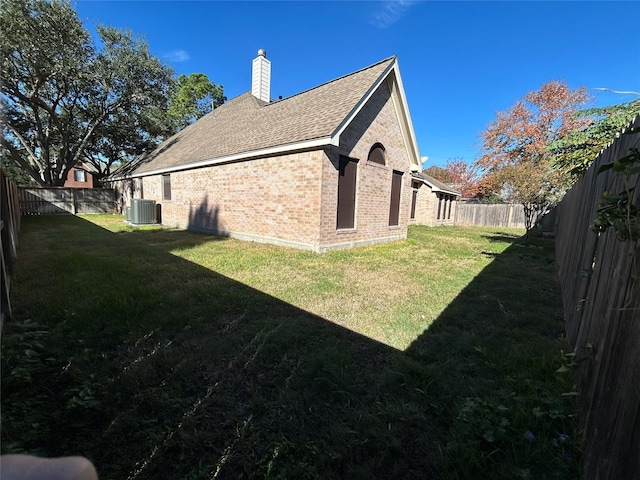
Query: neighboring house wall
434	208
79	178
444	208
424	205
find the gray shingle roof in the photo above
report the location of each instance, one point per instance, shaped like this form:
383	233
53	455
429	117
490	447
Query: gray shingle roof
436	185
246	124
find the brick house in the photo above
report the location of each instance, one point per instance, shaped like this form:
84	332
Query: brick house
81	176
433	202
325	169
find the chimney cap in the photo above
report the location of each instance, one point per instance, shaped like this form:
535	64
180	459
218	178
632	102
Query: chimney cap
262	53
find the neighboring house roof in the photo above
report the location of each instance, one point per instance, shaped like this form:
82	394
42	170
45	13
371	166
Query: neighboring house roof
246	127
436	185
85	166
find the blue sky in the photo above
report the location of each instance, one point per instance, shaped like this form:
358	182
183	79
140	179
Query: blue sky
461	62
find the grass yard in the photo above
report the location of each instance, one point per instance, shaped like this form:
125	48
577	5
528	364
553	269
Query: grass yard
159	353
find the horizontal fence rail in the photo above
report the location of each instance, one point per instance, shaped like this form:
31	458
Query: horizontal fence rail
60	200
481	215
601	298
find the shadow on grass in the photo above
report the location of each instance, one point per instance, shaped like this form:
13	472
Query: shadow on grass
155	367
503	237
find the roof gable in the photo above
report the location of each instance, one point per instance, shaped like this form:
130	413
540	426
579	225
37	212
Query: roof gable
246	127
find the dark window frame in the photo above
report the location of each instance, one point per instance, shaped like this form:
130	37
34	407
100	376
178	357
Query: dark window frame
166	187
395	198
346	198
377	154
414	201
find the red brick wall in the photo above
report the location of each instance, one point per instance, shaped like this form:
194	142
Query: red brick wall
427	208
274	199
292	199
72	183
377	122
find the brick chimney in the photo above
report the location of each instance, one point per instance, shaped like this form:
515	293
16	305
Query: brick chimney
261	77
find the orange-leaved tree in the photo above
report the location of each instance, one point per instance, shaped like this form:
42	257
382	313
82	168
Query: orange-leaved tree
515	158
459	174
439	173
465	177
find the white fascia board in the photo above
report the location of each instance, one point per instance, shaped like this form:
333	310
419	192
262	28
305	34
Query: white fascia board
335	136
450	192
404	117
304	145
402	111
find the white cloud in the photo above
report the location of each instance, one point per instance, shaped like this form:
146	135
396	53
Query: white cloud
390	12
177	56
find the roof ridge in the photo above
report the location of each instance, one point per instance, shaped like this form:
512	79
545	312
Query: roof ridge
392	57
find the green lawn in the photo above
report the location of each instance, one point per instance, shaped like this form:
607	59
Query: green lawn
166	354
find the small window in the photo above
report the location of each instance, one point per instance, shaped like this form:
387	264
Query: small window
440	196
80	175
166	187
377	154
414	200
345	217
394	205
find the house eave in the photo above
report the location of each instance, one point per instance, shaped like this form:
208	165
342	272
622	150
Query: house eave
238	157
362	102
435	188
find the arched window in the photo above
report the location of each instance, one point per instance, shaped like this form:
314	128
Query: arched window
377	154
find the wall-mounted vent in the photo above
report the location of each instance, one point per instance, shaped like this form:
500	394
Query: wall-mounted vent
143	212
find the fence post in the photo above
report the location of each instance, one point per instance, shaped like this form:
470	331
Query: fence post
9	228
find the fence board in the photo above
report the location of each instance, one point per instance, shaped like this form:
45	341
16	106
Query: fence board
49	201
9	231
601	301
482	215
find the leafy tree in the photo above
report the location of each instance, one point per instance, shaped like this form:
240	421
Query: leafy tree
575	152
439	173
464	176
516	162
138	126
64	101
193	97
14	172
458	174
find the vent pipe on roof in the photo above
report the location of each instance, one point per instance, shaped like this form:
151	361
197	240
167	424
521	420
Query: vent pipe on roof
261	77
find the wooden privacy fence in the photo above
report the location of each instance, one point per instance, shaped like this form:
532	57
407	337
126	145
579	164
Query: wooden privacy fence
58	200
481	215
10	228
601	300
